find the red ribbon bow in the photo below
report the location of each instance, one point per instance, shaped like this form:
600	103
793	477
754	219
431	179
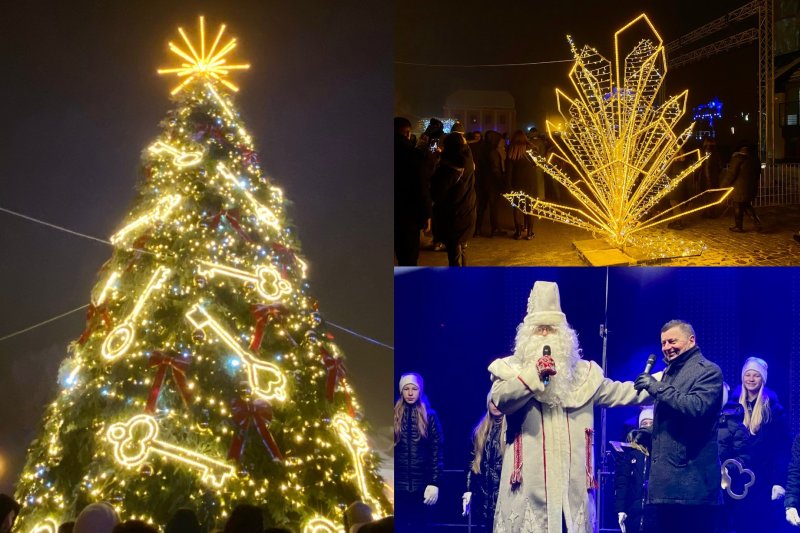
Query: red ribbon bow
232	216
264	314
336	373
245	414
91	313
138	247
172	360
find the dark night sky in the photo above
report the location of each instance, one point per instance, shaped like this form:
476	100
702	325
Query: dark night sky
81	99
479	32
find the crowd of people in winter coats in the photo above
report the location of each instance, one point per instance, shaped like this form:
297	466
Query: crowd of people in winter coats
446	184
102	518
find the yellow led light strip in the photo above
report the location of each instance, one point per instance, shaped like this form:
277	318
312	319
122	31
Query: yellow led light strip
263	212
618	145
321	525
160	212
267	280
210	64
220	100
356	442
109	282
131	449
121	338
48	525
274	387
179	159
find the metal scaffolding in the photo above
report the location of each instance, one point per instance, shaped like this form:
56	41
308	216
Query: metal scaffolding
763	33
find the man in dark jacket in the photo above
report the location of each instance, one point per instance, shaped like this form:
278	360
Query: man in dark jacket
684	481
744	171
412	203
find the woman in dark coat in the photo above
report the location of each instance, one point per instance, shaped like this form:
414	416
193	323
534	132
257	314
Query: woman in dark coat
521	174
453	195
483	476
418	455
761	510
744	171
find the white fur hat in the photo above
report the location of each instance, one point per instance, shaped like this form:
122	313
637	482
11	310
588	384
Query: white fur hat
416	379
645	414
757	364
544	305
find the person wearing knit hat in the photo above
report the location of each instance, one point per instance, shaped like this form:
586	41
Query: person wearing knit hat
483	476
546	389
630	476
770	440
96	518
418	456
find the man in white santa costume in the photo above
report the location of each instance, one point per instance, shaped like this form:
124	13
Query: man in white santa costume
547	480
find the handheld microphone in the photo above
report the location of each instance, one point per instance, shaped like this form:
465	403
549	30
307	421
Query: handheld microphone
546	351
649	366
650	362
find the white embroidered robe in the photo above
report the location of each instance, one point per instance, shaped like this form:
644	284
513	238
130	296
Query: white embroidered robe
557	466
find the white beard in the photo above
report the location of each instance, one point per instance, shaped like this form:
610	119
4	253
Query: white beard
564	350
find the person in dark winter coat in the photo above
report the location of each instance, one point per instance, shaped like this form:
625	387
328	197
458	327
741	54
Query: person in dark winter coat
521	175
453	194
793	485
630	476
418	456
483	476
684	481
492	184
733	440
412	202
764	417
9	509
744	172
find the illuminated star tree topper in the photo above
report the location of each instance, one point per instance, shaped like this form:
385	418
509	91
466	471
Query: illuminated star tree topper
618	155
202	61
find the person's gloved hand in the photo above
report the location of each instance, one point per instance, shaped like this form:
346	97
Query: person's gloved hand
792	517
778	492
431	494
621	519
546	366
646	382
465	501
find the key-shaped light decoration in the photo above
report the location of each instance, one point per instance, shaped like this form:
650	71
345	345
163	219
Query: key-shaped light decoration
263	212
267	280
179	159
121	337
266	379
159	213
48	525
112	279
135	439
356	442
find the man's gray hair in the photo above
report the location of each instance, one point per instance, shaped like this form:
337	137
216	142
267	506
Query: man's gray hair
684	326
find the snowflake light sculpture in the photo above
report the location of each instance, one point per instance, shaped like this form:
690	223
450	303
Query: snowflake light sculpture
618	155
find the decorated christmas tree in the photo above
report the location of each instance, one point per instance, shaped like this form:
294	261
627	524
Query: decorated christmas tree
205	376
618	154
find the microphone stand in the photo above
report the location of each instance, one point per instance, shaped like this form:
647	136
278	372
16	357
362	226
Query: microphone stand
603	474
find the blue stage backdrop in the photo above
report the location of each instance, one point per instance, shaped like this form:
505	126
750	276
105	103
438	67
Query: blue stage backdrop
451	323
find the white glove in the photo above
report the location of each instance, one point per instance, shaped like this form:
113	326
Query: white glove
466	499
778	492
431	494
622	517
792	517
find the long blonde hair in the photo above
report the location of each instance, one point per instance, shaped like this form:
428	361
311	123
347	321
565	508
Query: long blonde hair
421	408
762	413
479	436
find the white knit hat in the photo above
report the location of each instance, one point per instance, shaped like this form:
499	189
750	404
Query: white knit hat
544	305
416	379
757	364
645	414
